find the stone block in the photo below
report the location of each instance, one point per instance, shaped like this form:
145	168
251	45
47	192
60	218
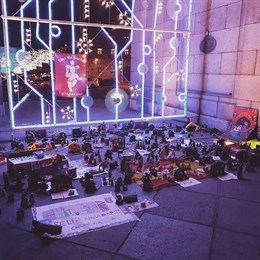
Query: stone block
196	81
199	6
225	111
248	39
213	63
256	105
191	63
193	105
195	44
218	3
212	122
208	108
243	103
222	84
227	99
217	19
228	63
246	62
169	111
193	23
247	88
199	63
227	40
250	12
257	68
210	97
201	22
233	15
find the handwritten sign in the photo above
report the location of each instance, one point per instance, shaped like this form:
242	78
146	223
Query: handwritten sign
83	215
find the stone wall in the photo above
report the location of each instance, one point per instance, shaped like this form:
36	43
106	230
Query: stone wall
229	76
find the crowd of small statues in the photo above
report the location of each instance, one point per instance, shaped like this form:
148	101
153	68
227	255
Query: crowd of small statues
98	149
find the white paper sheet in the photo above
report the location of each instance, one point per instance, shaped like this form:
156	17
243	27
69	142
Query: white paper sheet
188	183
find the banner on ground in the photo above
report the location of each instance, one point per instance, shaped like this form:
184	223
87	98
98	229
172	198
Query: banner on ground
83	215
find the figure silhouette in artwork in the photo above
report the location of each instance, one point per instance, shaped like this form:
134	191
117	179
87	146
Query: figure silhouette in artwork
242	128
72	76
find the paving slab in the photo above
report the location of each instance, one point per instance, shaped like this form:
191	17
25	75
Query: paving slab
189	206
244	190
26	246
253	176
156	237
120	257
209	185
109	239
61	250
240	216
235	246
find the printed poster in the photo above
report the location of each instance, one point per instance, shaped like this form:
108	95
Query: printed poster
243	123
70	75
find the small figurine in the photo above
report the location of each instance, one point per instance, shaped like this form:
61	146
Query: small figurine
33	179
117	187
24	200
31	199
217	169
129	173
105	182
19	214
102	166
147	183
124	187
180	175
240	172
88	183
6	180
10	197
118	184
86	157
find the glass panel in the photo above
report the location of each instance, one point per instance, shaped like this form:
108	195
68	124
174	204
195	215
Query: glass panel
126	61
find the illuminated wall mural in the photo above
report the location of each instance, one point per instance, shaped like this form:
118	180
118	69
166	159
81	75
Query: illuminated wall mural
82	62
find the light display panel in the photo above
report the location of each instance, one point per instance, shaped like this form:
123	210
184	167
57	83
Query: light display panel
83	61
